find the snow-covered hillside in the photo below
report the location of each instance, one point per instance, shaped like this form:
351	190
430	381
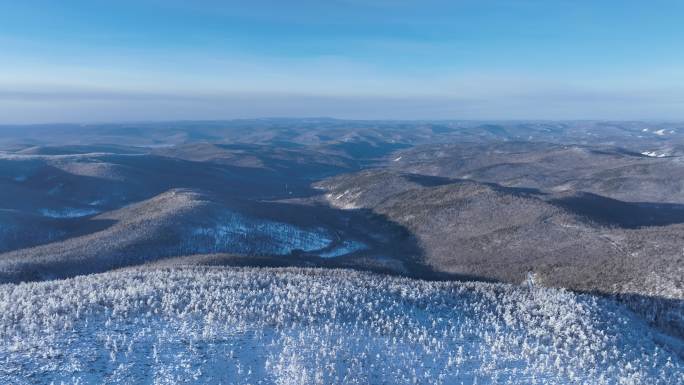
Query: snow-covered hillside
286	326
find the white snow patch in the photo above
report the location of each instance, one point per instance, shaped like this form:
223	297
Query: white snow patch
347	247
349	201
67	213
77	157
341	195
397	159
660	132
654	154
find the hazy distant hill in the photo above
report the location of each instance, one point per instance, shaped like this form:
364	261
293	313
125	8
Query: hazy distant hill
326	131
651	176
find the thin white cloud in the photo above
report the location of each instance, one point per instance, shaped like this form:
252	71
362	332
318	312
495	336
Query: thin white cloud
97	106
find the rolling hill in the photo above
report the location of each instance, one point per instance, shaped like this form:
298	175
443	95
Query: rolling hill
612	172
577	241
307	326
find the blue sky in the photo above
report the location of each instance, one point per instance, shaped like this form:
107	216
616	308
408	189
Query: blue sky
83	61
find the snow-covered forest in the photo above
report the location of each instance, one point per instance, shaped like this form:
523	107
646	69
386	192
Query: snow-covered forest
306	326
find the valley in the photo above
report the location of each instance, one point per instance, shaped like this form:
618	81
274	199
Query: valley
473	216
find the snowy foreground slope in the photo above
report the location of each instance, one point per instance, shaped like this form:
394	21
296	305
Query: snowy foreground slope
287	326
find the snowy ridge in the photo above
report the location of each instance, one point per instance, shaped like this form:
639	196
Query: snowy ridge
292	326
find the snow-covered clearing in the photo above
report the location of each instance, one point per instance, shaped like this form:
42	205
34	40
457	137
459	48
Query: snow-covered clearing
67	213
265	326
237	233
